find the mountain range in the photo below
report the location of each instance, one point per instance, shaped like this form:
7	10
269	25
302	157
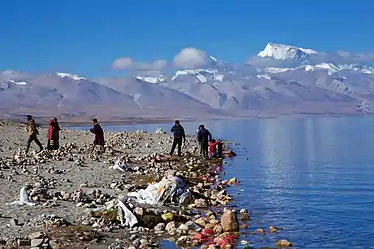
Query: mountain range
280	79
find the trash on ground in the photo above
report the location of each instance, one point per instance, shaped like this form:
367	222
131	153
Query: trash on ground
171	188
23	199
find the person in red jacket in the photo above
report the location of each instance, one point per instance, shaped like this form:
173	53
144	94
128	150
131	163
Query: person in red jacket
213	148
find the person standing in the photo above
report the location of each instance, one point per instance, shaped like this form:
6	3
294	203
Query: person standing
53	135
99	135
179	137
203	137
33	134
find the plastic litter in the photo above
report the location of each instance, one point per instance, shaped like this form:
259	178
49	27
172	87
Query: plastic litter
171	188
126	216
23	199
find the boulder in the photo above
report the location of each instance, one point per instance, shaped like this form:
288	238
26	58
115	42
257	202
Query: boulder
229	222
283	243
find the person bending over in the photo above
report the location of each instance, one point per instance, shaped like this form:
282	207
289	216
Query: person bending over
203	137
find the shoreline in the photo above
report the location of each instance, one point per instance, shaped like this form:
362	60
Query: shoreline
162	120
63	185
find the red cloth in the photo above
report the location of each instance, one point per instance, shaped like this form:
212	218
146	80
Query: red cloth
212	147
50	129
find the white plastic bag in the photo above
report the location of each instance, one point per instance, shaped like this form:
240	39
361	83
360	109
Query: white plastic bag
127	217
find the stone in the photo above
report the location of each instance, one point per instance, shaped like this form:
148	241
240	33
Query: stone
229	222
36	242
201	203
139	211
160	227
218	229
13	222
167	216
242	211
244	216
171	228
36	235
24	242
273	229
201	222
209	226
260	230
136	242
144	242
214	221
183	227
283	243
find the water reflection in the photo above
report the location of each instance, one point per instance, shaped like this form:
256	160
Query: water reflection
310	176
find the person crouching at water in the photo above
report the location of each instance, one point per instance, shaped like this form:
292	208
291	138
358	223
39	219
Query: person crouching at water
179	137
213	153
33	134
99	135
203	137
53	135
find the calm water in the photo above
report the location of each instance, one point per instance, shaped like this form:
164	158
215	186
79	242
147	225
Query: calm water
311	176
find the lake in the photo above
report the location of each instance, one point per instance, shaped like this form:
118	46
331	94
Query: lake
313	177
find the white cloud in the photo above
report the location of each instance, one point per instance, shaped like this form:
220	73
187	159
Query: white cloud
124	63
190	58
8	74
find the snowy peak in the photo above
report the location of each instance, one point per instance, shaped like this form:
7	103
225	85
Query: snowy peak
284	52
20	83
148	79
70	76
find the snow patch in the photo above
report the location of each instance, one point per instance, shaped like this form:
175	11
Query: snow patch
328	66
153	80
195	72
201	78
277	69
309	68
20	83
71	76
219	77
213	58
284	52
263	76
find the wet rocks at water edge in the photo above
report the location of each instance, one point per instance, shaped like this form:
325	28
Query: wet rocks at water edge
74	195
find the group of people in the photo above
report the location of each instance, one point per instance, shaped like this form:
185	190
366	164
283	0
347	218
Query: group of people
209	148
53	134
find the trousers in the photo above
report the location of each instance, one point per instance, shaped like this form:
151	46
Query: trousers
204	149
36	140
177	141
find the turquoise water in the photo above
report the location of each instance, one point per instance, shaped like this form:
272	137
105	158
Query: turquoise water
313	177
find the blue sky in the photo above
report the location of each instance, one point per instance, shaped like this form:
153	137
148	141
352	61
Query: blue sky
86	36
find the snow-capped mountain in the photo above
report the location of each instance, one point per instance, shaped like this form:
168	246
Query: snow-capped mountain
280	79
70	76
285	52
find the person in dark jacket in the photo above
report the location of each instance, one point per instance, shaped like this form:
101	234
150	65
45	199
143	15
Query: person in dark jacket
203	137
33	134
99	135
179	137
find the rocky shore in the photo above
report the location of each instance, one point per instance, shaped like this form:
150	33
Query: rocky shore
78	200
